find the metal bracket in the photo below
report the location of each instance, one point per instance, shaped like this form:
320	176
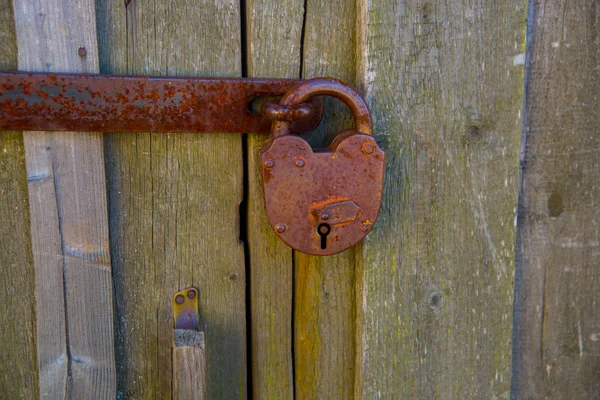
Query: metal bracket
185	309
118	103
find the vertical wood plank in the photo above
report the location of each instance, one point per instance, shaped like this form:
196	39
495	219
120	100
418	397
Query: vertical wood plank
69	222
53	361
435	277
324	303
557	286
174	200
18	359
324	348
324	298
189	365
274	30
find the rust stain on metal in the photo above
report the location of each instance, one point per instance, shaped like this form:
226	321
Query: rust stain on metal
318	202
305	90
114	103
294	112
337	212
185	309
329	200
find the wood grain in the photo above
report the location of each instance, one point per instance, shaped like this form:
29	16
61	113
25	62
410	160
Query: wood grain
189	365
18	359
174	200
324	327
69	222
435	277
324	302
324	289
274	31
557	286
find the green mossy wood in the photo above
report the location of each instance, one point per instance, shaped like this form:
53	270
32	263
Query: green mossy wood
435	277
423	309
273	35
18	357
324	303
173	200
287	40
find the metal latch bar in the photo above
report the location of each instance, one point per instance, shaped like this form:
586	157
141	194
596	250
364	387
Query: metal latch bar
117	103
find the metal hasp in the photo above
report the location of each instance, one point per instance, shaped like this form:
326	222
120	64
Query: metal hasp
117	103
324	201
319	202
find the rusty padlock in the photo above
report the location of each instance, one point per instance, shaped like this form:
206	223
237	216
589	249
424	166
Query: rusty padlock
324	201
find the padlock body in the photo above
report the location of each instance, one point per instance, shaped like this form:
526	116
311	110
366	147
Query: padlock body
307	191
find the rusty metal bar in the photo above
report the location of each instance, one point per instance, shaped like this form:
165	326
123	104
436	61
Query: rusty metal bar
117	103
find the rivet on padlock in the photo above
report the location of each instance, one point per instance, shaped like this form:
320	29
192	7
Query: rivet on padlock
326	201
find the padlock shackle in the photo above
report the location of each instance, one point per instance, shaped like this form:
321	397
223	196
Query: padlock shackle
304	90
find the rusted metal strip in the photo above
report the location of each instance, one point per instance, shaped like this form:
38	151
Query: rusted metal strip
116	103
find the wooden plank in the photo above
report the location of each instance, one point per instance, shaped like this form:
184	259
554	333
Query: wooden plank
174	200
189	365
67	196
324	324
52	359
324	302
435	278
274	30
18	359
557	286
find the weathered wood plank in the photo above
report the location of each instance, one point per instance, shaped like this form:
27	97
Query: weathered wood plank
18	360
324	299
189	365
174	200
53	361
69	219
18	374
18	365
324	326
324	303
274	30
435	278
557	286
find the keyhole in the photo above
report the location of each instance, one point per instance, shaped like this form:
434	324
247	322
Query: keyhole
323	231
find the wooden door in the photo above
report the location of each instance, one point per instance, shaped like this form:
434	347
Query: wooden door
487	199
